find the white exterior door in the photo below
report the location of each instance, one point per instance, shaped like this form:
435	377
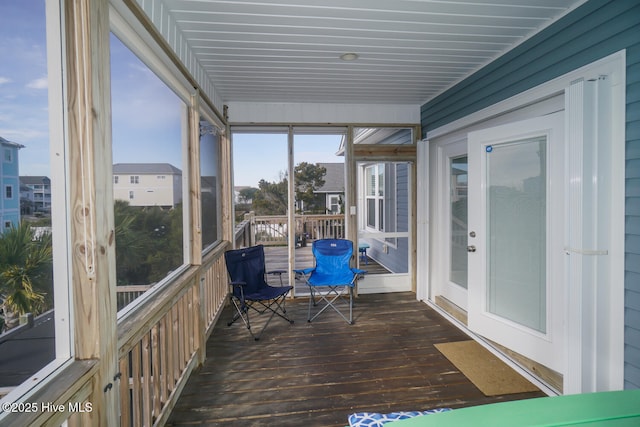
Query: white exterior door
384	226
515	237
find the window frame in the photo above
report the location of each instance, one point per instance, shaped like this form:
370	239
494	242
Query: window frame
61	246
153	58
377	198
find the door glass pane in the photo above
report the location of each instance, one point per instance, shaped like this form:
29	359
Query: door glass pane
371	212
370	181
458	199
516	229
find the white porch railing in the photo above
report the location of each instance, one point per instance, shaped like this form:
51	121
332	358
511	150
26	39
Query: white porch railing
274	229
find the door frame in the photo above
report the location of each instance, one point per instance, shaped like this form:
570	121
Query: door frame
387	282
607	363
451	291
371	153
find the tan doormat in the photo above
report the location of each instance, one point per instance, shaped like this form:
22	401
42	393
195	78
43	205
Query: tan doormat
491	375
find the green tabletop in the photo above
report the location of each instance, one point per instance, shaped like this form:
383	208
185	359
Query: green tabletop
614	408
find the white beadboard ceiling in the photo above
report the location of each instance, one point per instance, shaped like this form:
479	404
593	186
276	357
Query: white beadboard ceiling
409	51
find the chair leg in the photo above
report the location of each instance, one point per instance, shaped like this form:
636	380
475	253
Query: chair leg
242	312
331	298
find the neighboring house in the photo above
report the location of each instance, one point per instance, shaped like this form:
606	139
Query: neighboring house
147	184
237	198
41	188
331	194
27	200
9	184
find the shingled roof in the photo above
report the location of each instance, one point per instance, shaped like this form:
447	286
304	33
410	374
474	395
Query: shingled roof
333	179
146	169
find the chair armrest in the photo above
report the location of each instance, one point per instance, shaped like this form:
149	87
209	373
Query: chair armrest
238	283
304	270
358	271
276	272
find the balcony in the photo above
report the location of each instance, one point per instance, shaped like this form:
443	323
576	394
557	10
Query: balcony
141	367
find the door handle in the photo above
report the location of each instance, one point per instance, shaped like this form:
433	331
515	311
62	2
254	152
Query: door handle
471	248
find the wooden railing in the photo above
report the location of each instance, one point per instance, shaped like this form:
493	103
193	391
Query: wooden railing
125	295
244	235
273	229
163	339
160	341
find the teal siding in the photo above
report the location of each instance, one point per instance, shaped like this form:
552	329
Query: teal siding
594	30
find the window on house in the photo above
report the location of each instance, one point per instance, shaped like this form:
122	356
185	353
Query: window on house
8	192
375	196
335	200
8	155
115	179
7	225
149	239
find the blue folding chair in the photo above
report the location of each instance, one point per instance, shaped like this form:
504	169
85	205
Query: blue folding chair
250	290
332	280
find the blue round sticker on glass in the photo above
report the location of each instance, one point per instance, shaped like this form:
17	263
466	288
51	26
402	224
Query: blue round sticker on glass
489	148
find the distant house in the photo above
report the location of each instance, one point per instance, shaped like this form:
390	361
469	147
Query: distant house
331	194
27	200
238	198
9	184
40	197
147	184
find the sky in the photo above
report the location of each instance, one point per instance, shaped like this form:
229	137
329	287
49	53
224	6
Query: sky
146	116
264	156
24	116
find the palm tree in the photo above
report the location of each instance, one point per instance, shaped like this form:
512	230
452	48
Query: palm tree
25	273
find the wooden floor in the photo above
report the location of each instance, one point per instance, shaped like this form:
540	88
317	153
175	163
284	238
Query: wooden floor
316	374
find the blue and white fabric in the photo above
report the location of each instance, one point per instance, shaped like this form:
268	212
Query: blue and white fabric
373	419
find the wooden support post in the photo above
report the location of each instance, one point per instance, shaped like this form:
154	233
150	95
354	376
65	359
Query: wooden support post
226	186
351	193
195	209
291	212
92	234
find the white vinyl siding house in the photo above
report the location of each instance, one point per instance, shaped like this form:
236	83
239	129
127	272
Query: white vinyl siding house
40	192
147	184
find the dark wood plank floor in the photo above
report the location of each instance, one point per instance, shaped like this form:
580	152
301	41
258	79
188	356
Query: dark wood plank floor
316	374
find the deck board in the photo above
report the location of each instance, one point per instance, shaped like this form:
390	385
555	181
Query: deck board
316	374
